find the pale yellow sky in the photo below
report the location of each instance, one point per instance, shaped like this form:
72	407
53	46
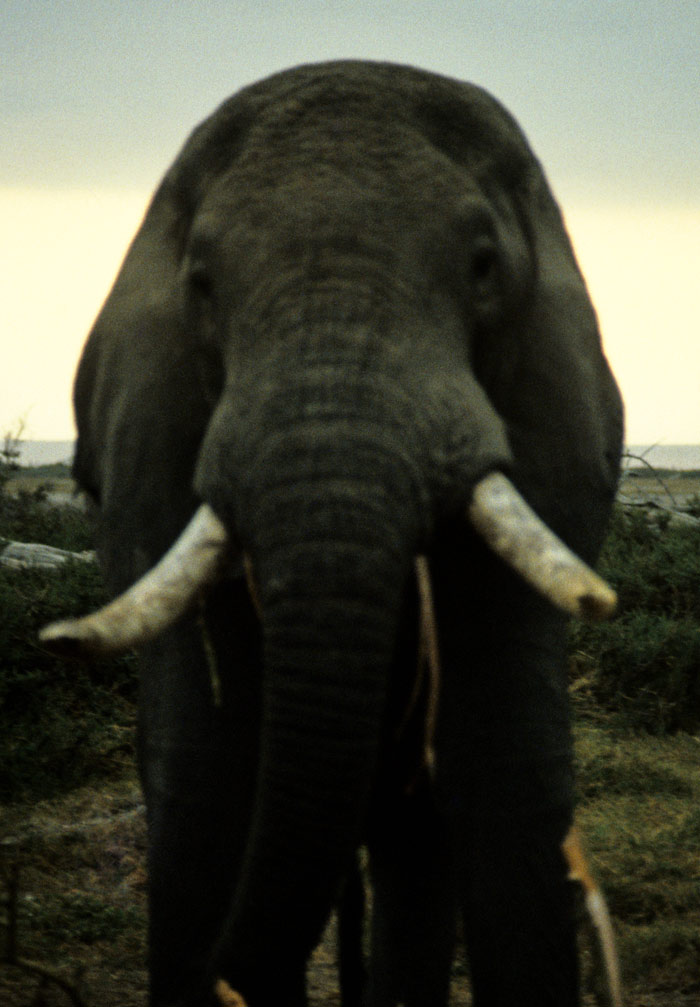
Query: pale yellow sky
60	250
642	265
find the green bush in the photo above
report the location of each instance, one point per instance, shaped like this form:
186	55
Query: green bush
9	457
29	516
61	723
644	665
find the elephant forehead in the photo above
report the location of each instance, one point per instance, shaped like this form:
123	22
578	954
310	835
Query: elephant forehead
346	104
323	183
365	129
325	216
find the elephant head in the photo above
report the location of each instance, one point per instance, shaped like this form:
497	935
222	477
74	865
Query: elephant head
351	322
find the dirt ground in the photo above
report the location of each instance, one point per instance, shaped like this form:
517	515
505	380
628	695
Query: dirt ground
81	908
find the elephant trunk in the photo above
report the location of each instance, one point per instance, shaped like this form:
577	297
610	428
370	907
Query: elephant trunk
333	519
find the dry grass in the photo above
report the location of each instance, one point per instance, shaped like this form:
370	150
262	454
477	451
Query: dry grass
27	483
640	811
83	879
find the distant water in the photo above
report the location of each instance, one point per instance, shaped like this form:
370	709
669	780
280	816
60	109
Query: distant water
665	456
46	452
660	456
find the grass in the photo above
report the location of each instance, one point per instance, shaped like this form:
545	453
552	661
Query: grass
83	917
640	813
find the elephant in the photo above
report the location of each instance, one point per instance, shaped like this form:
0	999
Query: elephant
352	443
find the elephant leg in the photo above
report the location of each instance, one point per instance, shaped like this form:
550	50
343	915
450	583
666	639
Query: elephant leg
517	904
518	912
351	915
504	780
414	908
190	880
198	762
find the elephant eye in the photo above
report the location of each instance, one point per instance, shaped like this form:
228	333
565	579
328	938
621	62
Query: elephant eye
484	262
200	281
200	302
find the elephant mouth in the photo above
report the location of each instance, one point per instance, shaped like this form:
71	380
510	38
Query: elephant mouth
203	552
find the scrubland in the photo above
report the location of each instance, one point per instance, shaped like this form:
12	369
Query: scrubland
72	834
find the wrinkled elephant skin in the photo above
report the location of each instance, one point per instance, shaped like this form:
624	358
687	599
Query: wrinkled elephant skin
351	301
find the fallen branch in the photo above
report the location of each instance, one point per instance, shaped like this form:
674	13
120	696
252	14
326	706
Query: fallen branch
24	555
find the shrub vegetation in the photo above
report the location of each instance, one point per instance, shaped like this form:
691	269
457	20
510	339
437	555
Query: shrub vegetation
61	724
643	667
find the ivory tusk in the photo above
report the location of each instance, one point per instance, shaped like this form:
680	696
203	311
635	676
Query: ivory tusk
511	528
197	558
227	996
430	653
252	584
427	665
153	603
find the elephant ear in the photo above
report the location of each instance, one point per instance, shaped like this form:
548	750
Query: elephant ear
145	386
554	388
140	407
542	364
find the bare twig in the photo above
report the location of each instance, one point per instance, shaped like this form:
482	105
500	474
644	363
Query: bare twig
11	955
654	472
